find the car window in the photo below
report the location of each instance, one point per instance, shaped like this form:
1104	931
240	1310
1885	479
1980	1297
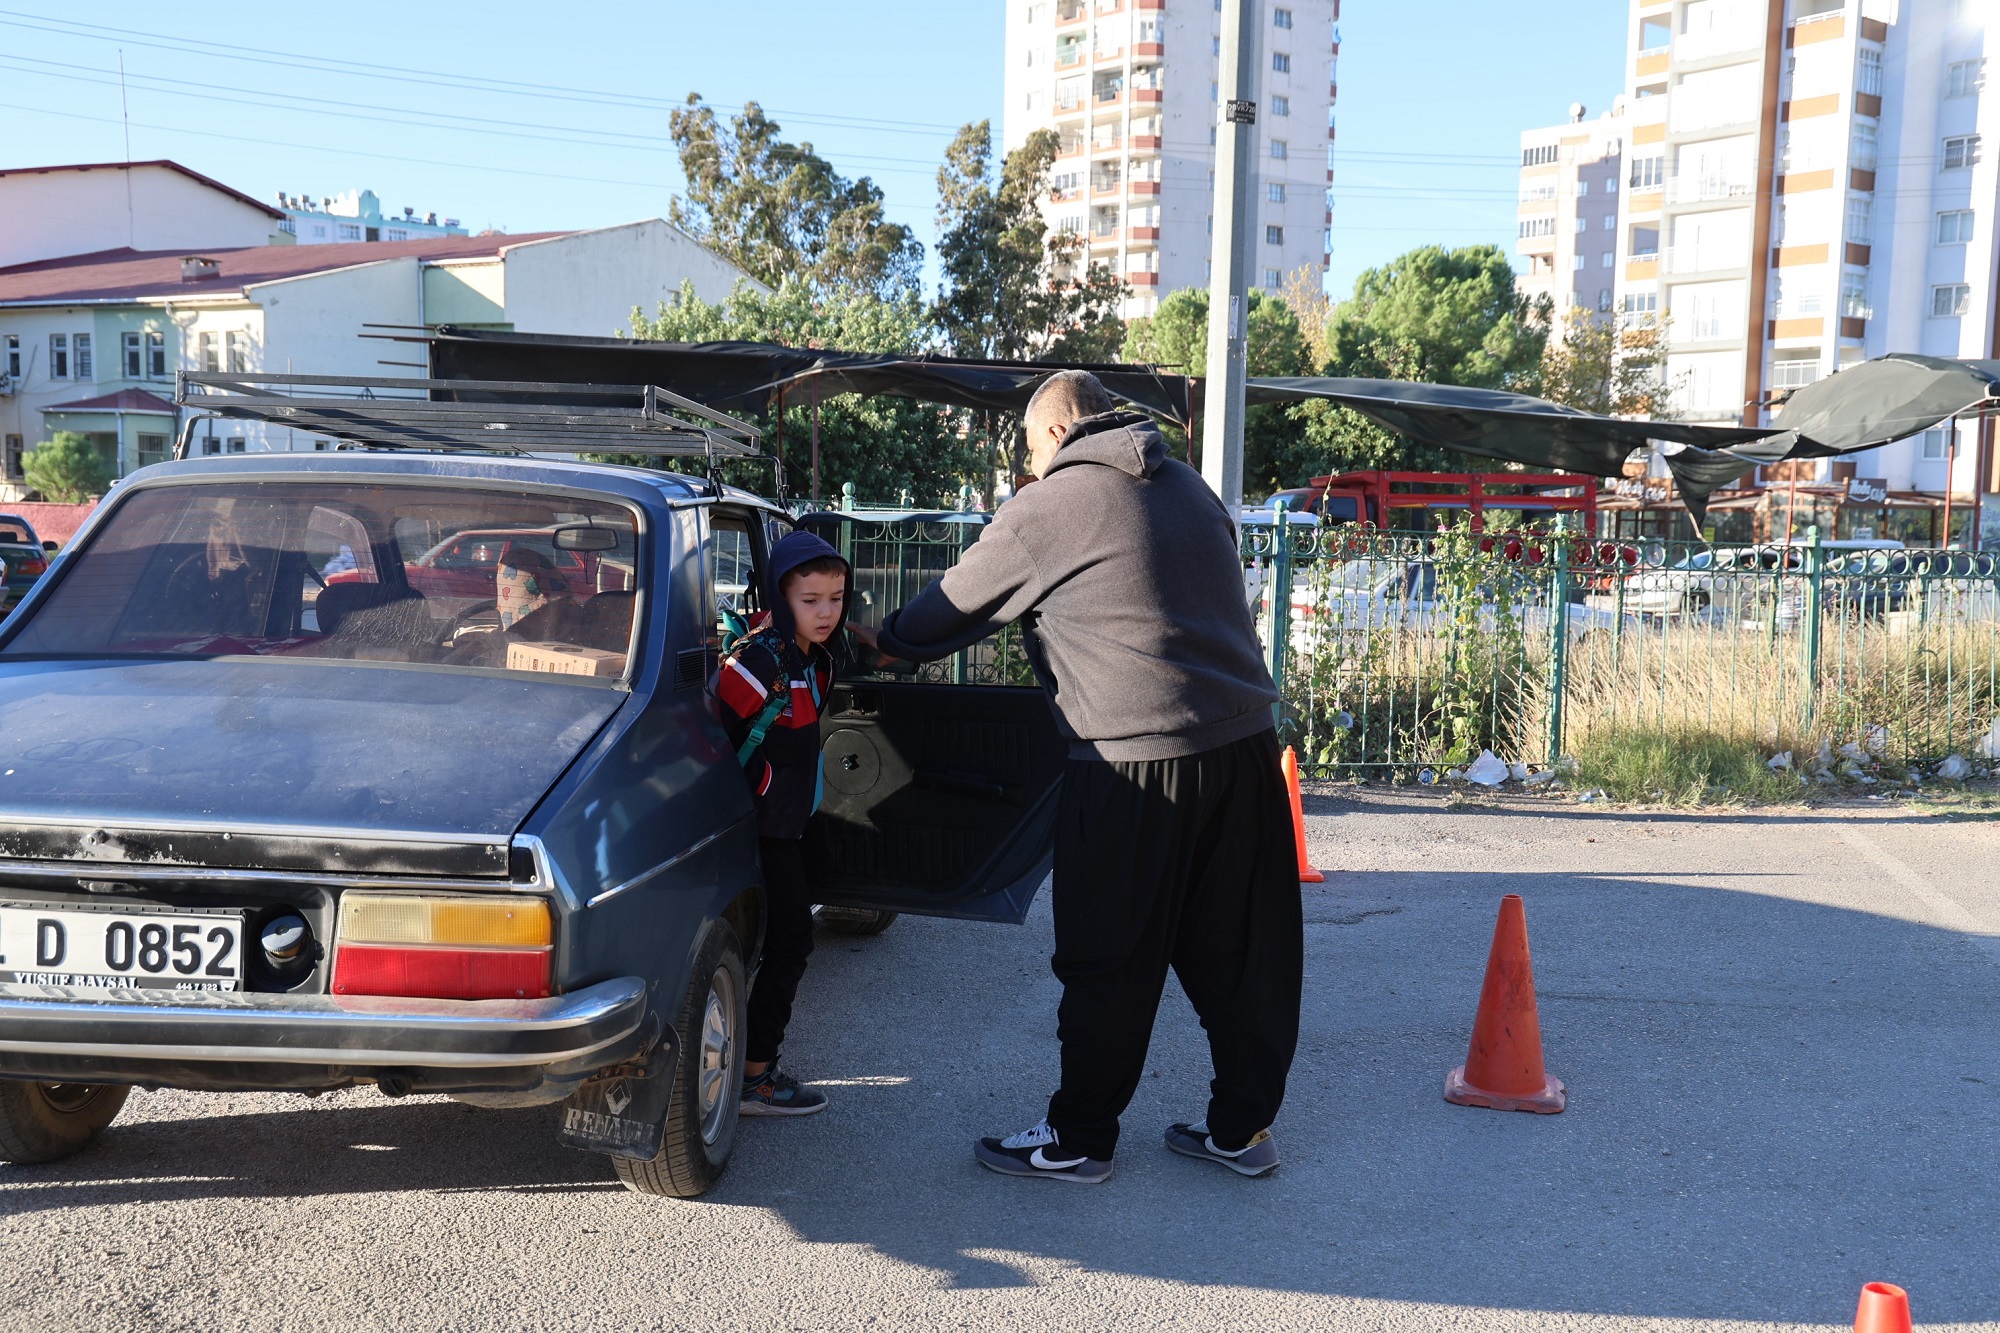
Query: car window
734	590
325	569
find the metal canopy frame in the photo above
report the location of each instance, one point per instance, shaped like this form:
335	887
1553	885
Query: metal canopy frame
473	416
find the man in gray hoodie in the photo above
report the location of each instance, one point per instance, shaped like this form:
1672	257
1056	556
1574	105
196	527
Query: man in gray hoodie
1174	841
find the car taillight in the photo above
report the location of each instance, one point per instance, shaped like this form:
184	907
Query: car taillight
442	948
34	568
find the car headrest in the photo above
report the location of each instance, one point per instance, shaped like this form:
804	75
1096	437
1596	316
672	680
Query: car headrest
340	601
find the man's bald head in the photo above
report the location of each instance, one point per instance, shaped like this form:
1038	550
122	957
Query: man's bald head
1064	398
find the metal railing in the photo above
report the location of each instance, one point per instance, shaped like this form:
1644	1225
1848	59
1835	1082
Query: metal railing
1406	651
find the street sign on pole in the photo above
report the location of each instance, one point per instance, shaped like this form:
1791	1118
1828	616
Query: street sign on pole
1230	251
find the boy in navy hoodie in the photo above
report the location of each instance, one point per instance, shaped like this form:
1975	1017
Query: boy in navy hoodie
772	689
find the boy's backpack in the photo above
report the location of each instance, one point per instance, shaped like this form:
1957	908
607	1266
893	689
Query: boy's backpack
737	635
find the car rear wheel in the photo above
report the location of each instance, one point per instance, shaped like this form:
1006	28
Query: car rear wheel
855	920
708	1078
42	1122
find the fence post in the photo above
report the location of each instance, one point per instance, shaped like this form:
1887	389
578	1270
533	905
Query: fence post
1815	600
1558	635
846	497
1281	602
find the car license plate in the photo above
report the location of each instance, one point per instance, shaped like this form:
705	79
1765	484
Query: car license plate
117	948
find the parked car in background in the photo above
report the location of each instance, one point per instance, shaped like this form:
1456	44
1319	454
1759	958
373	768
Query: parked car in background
25	557
1380	593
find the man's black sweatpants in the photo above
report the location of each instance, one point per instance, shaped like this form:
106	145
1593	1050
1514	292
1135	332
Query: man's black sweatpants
788	942
1188	863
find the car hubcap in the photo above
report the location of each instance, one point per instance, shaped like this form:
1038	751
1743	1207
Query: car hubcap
718	1056
68	1097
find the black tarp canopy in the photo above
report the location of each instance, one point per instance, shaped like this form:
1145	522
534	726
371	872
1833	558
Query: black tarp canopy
748	376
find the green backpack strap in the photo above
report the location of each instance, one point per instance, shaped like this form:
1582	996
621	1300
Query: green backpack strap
780	691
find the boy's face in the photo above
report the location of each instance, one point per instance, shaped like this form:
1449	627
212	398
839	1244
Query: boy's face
816	601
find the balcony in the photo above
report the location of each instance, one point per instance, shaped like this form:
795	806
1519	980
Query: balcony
1142	279
1146	143
1148	50
1145	189
1686	259
1071	11
1145	233
1695	188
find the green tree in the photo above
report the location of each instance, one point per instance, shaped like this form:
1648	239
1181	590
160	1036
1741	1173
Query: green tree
780	212
1175	338
1432	315
1010	288
66	468
1599	366
890	448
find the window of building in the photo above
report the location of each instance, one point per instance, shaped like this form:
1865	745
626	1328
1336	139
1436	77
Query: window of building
1281	18
1936	443
1536	190
1860	212
1868	74
1582	225
1537	227
1576	262
1642	303
235	351
1610	222
1954	226
152	449
1649	173
1861	151
1963	78
1794	371
1582	188
135	360
322	445
1854	297
86	369
1655	34
1607	260
1538	155
13	353
204	345
58	356
1949	300
1273	278
1281	106
347	231
156	356
1281	63
395	234
1961	150
1603	300
1274	235
1278	149
13	457
1276	192
236	444
1034	14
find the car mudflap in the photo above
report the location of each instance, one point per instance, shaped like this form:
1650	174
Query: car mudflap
623	1110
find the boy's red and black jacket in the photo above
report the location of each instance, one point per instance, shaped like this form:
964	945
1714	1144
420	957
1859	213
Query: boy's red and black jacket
784	771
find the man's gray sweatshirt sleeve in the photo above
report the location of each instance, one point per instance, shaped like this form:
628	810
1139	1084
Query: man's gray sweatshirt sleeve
988	589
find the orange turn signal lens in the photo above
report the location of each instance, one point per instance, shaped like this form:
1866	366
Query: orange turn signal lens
496	923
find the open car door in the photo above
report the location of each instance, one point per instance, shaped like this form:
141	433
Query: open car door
940	795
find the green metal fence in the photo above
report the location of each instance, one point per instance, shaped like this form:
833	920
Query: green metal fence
1407	651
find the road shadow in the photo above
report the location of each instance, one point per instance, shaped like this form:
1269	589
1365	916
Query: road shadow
1772	1102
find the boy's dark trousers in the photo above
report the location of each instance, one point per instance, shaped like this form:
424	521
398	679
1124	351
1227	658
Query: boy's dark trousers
788	942
1188	863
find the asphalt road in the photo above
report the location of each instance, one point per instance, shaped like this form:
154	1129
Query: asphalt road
1779	1033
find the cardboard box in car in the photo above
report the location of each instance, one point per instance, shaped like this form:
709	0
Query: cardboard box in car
564	659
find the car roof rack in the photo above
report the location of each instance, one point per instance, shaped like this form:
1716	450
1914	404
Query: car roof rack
471	416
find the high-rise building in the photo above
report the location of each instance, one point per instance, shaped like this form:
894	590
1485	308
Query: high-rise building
1807	184
1568	217
1130	87
357	216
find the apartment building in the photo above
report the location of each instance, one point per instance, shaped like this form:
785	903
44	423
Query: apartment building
357	215
1807	184
1569	213
1131	88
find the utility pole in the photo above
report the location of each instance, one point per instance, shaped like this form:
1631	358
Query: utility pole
1230	249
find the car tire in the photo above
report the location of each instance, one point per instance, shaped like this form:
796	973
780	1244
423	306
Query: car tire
1694	603
856	920
708	1077
43	1122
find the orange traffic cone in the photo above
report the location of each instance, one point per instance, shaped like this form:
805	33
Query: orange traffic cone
1307	875
1503	1070
1885	1308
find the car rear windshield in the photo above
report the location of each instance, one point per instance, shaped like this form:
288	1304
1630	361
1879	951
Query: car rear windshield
427	575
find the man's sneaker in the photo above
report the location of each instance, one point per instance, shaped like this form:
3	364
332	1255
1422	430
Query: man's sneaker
1259	1157
1035	1152
774	1092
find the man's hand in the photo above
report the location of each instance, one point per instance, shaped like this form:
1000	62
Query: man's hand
865	633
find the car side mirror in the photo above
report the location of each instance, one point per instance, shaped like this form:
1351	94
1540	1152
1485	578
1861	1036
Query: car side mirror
585	537
50	547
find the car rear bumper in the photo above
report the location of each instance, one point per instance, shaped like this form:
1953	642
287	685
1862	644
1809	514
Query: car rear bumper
60	1027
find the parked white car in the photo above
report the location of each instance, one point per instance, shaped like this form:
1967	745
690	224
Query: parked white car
1372	594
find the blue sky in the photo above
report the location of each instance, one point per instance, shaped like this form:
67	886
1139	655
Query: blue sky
504	115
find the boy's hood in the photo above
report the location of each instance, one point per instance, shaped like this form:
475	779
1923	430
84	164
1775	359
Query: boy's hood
1127	441
791	551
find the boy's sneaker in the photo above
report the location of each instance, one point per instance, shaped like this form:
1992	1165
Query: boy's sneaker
774	1092
1259	1157
1035	1152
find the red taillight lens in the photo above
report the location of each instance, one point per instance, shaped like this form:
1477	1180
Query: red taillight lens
441	974
33	568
